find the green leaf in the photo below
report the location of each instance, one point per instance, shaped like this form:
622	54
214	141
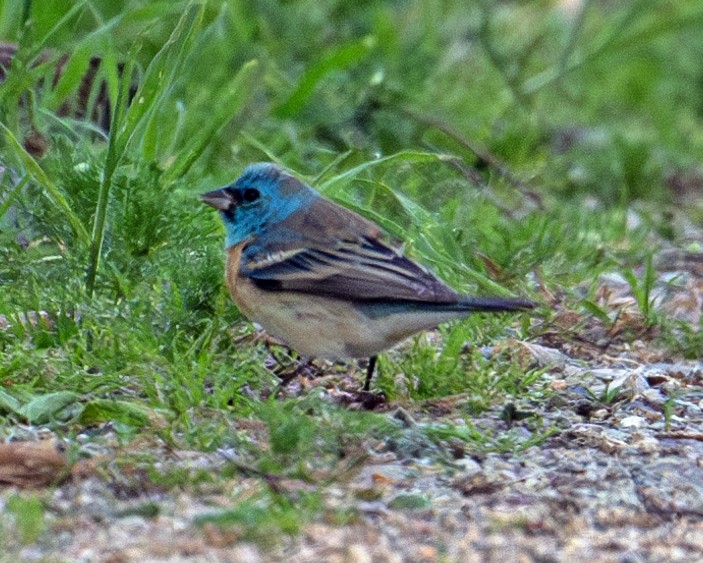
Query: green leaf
8	403
43	409
104	410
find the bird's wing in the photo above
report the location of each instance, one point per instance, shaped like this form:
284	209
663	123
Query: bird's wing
354	269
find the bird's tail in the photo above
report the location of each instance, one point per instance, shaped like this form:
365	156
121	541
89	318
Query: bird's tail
495	304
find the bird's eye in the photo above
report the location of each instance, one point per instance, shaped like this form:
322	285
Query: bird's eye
250	194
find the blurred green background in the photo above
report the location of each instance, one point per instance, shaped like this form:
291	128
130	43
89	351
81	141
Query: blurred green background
589	96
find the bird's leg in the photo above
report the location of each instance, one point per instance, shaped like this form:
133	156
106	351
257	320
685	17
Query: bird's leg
369	372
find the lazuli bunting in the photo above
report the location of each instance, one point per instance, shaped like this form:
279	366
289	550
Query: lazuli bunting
321	278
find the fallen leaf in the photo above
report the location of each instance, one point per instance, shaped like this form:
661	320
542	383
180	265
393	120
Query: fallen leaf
32	464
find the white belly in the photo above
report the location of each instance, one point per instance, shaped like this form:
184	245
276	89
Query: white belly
320	327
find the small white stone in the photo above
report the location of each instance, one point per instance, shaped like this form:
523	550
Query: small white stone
632	422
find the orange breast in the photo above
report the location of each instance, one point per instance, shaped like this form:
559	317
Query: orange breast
239	288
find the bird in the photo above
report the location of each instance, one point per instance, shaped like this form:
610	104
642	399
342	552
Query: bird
322	278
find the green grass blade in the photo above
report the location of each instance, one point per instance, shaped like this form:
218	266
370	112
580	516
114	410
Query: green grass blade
10	197
614	40
114	155
331	186
37	46
235	98
342	57
35	171
127	118
160	72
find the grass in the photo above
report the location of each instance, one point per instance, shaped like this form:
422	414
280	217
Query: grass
28	514
508	144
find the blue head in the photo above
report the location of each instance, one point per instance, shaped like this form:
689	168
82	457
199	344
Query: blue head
261	197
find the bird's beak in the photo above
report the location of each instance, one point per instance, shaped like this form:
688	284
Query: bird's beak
219	199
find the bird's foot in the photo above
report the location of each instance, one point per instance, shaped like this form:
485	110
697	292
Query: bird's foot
362	400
